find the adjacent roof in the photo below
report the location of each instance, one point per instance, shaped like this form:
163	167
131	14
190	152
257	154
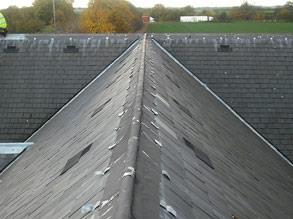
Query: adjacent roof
251	73
41	73
147	140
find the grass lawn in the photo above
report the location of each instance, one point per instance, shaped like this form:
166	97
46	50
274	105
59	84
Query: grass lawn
237	27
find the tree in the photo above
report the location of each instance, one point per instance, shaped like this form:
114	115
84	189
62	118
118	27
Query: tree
158	12
188	11
244	12
110	16
286	12
222	17
22	20
65	16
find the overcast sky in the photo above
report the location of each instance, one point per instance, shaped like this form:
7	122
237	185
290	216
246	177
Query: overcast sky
170	3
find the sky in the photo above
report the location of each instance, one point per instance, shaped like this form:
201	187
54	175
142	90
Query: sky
168	3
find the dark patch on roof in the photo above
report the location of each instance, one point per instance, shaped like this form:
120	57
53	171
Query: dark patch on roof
75	159
255	79
101	107
199	153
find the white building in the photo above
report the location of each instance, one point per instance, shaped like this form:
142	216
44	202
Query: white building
196	18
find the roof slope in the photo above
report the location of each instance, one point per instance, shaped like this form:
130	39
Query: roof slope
41	73
162	146
254	77
67	167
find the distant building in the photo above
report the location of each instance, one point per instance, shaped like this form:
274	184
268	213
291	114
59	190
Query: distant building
196	18
147	19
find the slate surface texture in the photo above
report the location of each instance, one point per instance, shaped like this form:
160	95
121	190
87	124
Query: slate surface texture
39	74
147	140
252	73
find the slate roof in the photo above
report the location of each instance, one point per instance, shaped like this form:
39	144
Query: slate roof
146	139
40	73
255	77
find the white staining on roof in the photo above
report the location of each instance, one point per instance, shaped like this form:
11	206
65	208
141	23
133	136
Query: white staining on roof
145	154
87	208
153	124
106	202
130	172
166	175
168	208
158	143
155	112
171	210
121	114
115	144
106	170
163	204
99	173
112	146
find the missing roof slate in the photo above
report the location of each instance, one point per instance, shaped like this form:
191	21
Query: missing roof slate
183	108
174	82
70	49
225	48
199	153
100	108
75	159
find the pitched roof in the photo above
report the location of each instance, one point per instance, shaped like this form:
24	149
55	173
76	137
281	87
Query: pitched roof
41	73
251	73
147	140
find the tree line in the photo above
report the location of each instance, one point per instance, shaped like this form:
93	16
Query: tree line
101	16
245	12
114	16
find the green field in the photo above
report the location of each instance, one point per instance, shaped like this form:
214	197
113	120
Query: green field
237	27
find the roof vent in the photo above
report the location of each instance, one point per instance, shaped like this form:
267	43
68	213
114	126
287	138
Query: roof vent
70	49
11	49
75	159
199	153
225	48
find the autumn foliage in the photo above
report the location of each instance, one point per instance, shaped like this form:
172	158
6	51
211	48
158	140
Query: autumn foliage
110	16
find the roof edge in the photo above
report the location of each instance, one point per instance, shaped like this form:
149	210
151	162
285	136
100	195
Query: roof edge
127	183
89	84
224	103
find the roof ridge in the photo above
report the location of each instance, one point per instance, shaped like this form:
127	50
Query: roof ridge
127	183
223	102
